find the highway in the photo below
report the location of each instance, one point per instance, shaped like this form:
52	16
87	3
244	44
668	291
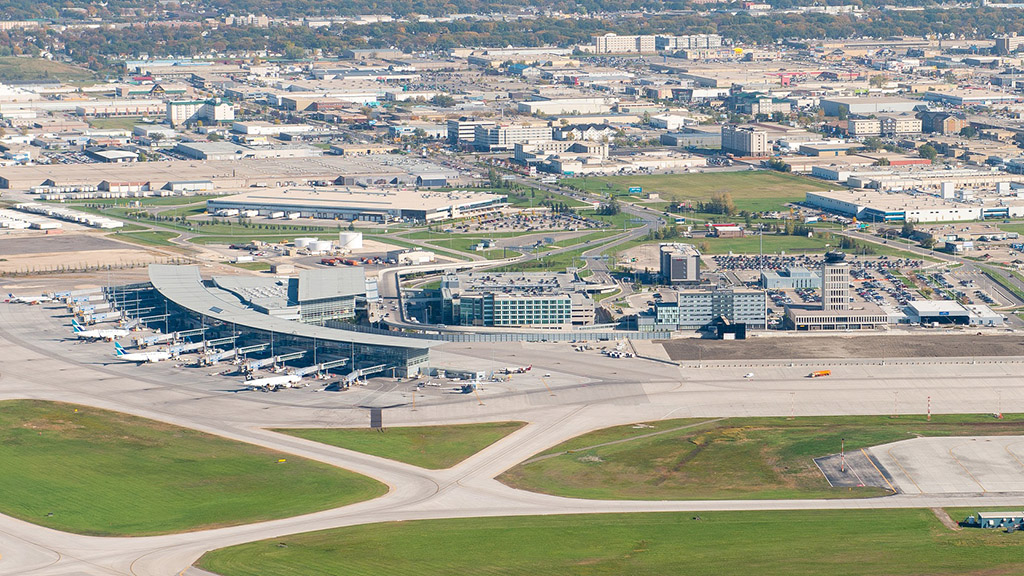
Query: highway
589	393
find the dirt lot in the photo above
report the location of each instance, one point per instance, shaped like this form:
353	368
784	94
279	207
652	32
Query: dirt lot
812	347
39	244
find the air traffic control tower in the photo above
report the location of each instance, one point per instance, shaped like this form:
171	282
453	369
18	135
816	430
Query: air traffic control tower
835	282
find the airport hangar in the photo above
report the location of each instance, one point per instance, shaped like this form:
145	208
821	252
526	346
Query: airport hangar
177	298
374	205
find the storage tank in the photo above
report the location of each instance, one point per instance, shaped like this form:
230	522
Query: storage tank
304	242
321	246
350	240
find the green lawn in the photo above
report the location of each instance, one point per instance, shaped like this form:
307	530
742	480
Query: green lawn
147	237
756	190
254	266
115	123
785	543
732	458
19	69
433	447
772	244
90	471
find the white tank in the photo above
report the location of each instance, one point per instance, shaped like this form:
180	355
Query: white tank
350	240
321	246
304	242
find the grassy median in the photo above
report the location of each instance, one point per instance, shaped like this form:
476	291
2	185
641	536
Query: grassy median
433	447
733	458
91	471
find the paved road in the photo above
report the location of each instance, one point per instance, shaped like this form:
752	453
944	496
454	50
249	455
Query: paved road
598	392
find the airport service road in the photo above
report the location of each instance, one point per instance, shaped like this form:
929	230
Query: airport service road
585	391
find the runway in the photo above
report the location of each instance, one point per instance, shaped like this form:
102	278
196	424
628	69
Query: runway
587	392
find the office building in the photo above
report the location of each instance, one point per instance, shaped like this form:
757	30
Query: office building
506	136
463	130
679	264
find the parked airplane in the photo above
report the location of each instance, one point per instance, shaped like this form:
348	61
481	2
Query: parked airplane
108	334
273	382
521	370
139	357
27	299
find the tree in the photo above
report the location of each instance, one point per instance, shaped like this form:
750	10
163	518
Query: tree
443	101
928	151
908	229
493	178
877	81
969	132
882	162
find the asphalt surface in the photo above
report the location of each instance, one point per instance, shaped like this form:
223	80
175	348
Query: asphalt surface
588	391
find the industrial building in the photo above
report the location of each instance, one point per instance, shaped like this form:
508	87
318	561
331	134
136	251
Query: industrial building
178	298
700	309
367	204
372	170
872	206
519	299
932	312
867	106
679	264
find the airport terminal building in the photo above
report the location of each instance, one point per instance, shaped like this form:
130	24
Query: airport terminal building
178	298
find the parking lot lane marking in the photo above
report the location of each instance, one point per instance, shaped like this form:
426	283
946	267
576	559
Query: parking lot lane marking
875	466
965	468
904	470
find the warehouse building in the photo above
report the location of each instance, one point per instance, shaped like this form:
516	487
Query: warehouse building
867	106
520	299
367	204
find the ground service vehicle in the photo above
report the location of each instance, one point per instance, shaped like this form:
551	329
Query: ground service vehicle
819	373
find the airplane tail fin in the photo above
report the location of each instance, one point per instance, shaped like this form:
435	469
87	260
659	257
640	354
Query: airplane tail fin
75	326
118	349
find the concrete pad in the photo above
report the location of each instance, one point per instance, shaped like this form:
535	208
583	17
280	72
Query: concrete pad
955	465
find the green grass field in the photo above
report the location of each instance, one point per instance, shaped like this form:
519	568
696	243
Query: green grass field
756	190
147	237
115	123
20	69
433	447
254	266
786	543
733	458
111	474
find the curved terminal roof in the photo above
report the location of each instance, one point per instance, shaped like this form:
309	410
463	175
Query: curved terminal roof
184	286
